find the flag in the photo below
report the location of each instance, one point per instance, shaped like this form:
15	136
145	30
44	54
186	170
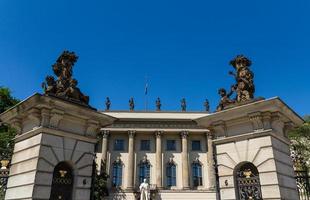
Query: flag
146	88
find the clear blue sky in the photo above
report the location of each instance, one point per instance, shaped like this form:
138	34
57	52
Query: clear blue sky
182	46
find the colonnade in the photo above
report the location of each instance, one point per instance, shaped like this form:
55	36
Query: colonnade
159	179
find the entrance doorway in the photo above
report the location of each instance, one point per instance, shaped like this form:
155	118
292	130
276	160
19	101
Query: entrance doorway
247	182
62	182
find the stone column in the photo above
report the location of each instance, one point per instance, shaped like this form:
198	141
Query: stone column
210	157
104	148
131	160
184	135
158	159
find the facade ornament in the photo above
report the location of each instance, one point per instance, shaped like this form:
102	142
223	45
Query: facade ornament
17	125
144	159
184	134
183	104
65	86
35	115
257	121
207	105
56	116
92	127
210	135
196	160
105	133
131	104
158	104
118	160
107	104
158	134
45	115
131	133
171	160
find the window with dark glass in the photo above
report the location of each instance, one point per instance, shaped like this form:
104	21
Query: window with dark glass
119	145
144	171
171	174
145	145
197	174
196	146
117	174
171	145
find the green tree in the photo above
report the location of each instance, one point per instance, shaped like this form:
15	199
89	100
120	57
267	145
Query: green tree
300	140
7	134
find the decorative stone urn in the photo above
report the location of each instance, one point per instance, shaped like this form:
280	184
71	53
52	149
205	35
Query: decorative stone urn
4	164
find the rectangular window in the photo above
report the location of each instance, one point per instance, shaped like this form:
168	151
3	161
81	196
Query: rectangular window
119	145
171	175
196	146
171	145
197	174
145	145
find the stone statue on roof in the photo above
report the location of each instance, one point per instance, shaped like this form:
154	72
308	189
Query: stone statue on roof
131	104
183	104
65	86
158	104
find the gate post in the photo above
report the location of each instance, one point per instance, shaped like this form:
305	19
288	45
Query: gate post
50	131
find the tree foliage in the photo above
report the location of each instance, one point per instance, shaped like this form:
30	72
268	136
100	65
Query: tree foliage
300	140
7	134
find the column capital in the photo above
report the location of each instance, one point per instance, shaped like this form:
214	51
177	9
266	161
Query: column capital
131	133
210	134
184	134
105	133
158	134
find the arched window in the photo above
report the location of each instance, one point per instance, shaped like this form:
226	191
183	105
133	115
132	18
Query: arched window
197	173
171	174
247	182
144	170
117	173
62	181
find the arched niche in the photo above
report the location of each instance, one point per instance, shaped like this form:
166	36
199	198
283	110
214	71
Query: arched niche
247	183
62	183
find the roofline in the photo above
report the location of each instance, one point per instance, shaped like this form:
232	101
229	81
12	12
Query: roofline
153	111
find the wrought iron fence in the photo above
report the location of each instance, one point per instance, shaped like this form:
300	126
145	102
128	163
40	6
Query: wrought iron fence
4	175
303	186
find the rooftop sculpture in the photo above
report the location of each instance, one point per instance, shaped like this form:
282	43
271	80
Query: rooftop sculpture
107	104
131	104
244	86
183	104
158	104
65	86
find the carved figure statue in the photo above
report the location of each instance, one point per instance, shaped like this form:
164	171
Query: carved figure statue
207	105
65	86
158	104
225	99
183	104
131	104
50	86
107	104
144	190
244	86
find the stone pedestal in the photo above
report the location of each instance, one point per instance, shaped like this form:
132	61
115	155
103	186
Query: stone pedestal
51	131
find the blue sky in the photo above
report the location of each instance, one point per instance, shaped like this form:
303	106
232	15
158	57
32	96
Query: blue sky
182	46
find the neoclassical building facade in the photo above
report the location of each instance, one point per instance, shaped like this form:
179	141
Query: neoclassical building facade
240	151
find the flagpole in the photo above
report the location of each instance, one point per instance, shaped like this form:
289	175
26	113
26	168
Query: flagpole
145	93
